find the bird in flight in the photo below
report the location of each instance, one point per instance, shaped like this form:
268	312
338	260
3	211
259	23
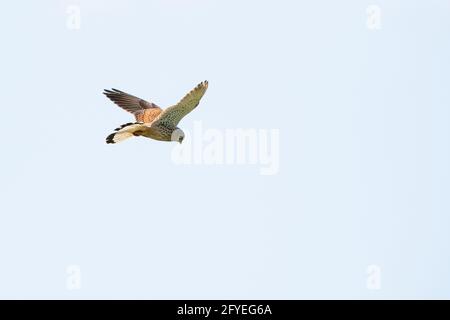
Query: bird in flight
152	121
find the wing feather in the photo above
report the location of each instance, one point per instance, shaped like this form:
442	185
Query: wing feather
132	104
173	115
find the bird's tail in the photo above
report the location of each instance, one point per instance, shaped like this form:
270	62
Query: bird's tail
124	132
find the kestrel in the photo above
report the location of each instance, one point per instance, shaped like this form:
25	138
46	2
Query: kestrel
152	121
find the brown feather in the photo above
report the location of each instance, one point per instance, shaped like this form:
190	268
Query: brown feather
148	115
130	103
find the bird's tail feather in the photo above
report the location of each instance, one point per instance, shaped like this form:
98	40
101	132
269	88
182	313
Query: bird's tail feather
124	132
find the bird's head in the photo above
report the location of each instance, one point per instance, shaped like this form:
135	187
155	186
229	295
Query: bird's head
177	135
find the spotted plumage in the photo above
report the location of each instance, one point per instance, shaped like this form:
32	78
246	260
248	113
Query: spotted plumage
152	121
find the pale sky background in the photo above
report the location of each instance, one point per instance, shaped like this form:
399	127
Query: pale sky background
364	150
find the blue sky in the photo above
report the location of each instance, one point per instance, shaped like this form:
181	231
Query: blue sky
363	150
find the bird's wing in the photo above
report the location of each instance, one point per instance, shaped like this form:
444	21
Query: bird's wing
148	115
135	105
173	115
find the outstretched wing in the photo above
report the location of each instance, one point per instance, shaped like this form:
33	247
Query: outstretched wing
173	115
144	111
